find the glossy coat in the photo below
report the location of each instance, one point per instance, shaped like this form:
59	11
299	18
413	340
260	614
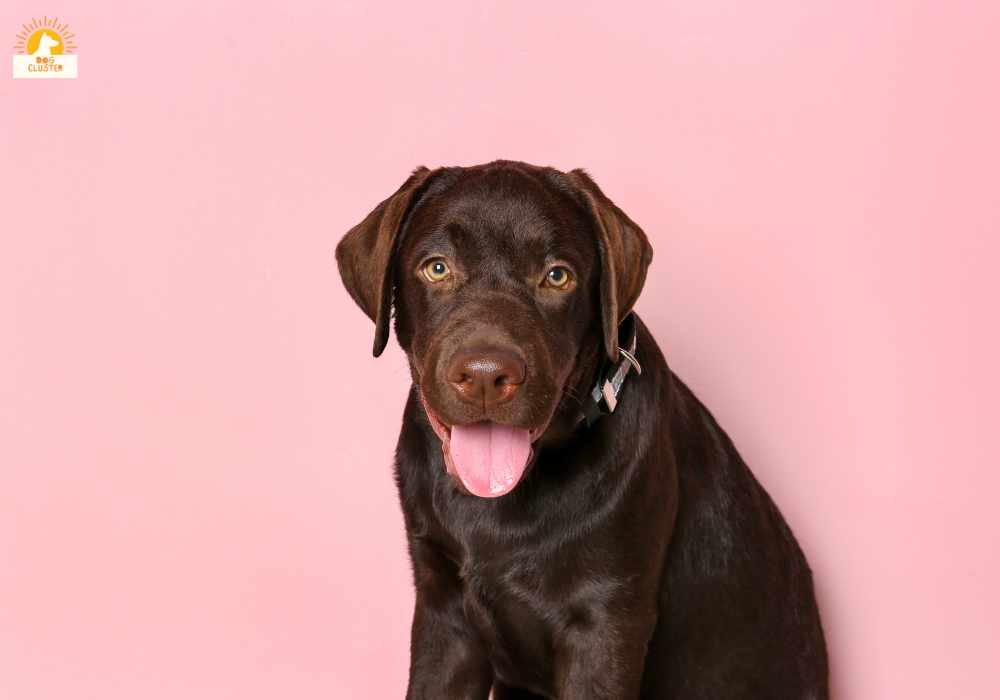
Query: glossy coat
637	558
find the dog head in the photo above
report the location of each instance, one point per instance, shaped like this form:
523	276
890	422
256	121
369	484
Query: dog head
509	282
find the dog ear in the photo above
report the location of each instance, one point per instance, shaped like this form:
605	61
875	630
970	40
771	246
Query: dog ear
625	256
364	255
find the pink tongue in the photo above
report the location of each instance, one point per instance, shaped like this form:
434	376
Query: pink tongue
489	458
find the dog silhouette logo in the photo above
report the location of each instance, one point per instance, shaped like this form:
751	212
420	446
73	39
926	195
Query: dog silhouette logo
44	49
46	42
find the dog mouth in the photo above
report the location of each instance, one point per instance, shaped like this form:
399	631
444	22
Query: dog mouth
488	458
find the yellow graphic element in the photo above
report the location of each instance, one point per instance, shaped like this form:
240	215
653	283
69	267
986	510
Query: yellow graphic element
45	38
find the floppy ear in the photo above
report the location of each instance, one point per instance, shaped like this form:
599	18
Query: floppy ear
625	255
364	255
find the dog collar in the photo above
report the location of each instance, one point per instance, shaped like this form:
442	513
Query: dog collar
603	398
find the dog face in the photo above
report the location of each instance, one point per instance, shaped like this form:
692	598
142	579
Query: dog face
496	289
509	283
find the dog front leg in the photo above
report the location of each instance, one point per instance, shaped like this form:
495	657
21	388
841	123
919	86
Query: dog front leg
603	660
446	660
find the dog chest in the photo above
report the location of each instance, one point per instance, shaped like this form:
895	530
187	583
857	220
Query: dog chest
507	604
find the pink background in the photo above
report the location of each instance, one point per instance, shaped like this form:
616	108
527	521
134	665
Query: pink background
195	442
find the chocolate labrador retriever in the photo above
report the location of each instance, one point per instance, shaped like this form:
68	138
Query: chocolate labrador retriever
579	524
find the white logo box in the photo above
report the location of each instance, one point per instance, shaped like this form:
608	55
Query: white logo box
60	66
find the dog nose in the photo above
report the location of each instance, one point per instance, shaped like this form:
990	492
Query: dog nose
486	376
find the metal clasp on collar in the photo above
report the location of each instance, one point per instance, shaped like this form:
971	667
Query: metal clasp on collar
631	358
603	397
612	385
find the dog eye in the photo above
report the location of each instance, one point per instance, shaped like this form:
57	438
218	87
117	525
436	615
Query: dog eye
558	277
436	270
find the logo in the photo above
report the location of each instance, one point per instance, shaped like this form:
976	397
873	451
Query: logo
44	50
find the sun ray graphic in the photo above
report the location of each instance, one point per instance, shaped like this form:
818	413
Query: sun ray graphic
28	38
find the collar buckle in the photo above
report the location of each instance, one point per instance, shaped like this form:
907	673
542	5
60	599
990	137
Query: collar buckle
603	397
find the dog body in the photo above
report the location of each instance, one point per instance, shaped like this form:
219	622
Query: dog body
634	557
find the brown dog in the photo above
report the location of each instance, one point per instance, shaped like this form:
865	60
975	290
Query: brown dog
579	525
